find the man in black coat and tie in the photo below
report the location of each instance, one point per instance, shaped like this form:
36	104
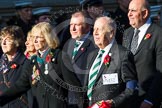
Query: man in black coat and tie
78	48
112	75
147	49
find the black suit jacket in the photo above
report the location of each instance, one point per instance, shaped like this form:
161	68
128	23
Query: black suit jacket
148	60
51	90
80	60
79	64
122	64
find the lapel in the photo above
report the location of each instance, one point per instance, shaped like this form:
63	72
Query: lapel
82	49
114	62
40	68
143	42
18	60
128	38
10	72
70	47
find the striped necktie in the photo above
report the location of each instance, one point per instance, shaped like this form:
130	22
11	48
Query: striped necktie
75	49
134	43
93	73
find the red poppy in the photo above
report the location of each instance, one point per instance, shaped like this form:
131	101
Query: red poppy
147	36
48	58
101	104
107	60
13	66
105	105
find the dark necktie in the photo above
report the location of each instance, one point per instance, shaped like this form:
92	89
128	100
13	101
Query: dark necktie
134	43
75	49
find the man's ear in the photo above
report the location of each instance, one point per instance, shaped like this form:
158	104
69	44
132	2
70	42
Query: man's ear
145	13
112	33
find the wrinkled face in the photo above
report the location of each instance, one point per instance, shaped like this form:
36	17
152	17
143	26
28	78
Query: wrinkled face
30	44
25	13
39	41
101	37
77	27
136	15
8	45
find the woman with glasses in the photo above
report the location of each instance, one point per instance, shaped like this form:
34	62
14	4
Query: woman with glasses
11	62
49	74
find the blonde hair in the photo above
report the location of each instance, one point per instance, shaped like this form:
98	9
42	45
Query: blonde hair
48	32
29	35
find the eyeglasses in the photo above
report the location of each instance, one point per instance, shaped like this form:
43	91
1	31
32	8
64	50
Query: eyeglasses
40	38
